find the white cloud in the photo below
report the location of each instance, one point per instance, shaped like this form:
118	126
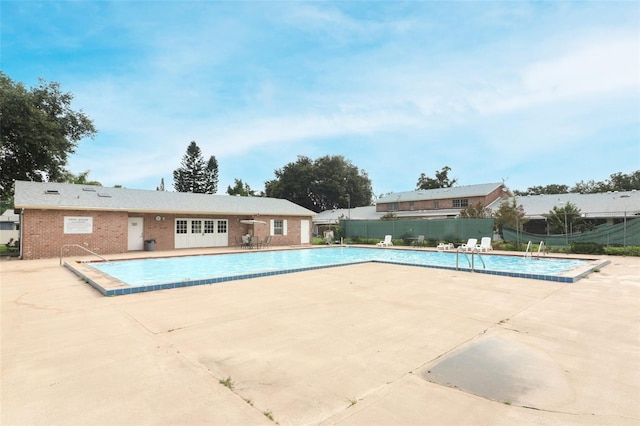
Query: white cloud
608	68
484	100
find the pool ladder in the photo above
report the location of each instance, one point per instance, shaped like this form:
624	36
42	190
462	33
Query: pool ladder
529	251
472	260
83	248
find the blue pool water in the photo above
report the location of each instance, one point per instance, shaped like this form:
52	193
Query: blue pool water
204	269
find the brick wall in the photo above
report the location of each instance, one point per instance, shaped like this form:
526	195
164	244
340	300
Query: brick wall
161	230
236	228
443	203
43	231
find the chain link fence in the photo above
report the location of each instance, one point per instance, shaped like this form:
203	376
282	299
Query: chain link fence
626	233
450	230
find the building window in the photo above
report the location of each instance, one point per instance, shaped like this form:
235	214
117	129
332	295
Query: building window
196	227
209	226
393	207
277	227
411	206
222	227
181	226
460	203
436	204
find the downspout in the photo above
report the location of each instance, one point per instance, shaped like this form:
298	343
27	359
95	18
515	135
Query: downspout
21	231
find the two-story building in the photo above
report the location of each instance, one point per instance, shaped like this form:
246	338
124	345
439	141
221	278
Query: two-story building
442	202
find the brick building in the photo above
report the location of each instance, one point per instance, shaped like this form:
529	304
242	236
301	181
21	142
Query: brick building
58	216
441	202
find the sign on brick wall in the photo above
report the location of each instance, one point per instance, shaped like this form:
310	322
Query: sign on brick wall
78	225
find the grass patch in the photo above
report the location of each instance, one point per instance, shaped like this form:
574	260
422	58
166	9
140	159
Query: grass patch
227	382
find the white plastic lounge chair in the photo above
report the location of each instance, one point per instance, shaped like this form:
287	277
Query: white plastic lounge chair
386	243
328	237
419	241
445	246
469	246
485	244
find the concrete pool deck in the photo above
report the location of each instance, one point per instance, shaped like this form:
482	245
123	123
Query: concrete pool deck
363	344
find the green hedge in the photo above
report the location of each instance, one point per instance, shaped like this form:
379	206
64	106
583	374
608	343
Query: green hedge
587	248
622	251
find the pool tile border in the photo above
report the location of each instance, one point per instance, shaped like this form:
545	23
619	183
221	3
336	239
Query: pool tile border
118	288
567	278
126	289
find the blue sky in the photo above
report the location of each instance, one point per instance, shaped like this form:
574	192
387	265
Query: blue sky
533	93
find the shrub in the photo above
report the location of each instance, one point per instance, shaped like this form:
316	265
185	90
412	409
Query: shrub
587	248
622	251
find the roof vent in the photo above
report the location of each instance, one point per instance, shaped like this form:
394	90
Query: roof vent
52	192
104	194
89	189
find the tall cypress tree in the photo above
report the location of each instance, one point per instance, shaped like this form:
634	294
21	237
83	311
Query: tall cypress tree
211	176
190	177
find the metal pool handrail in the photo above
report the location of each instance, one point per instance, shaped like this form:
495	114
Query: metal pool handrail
471	262
529	251
479	257
83	248
458	255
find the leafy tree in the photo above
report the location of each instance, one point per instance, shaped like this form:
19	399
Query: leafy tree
195	175
329	182
39	130
6	204
478	212
567	219
79	179
293	182
540	190
622	182
241	188
339	184
389	216
590	187
616	182
510	214
441	180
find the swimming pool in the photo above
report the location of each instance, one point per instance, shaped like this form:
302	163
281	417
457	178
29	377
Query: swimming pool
133	276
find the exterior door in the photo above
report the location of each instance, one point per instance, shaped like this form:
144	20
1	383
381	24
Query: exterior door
304	232
196	235
221	238
135	233
182	233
